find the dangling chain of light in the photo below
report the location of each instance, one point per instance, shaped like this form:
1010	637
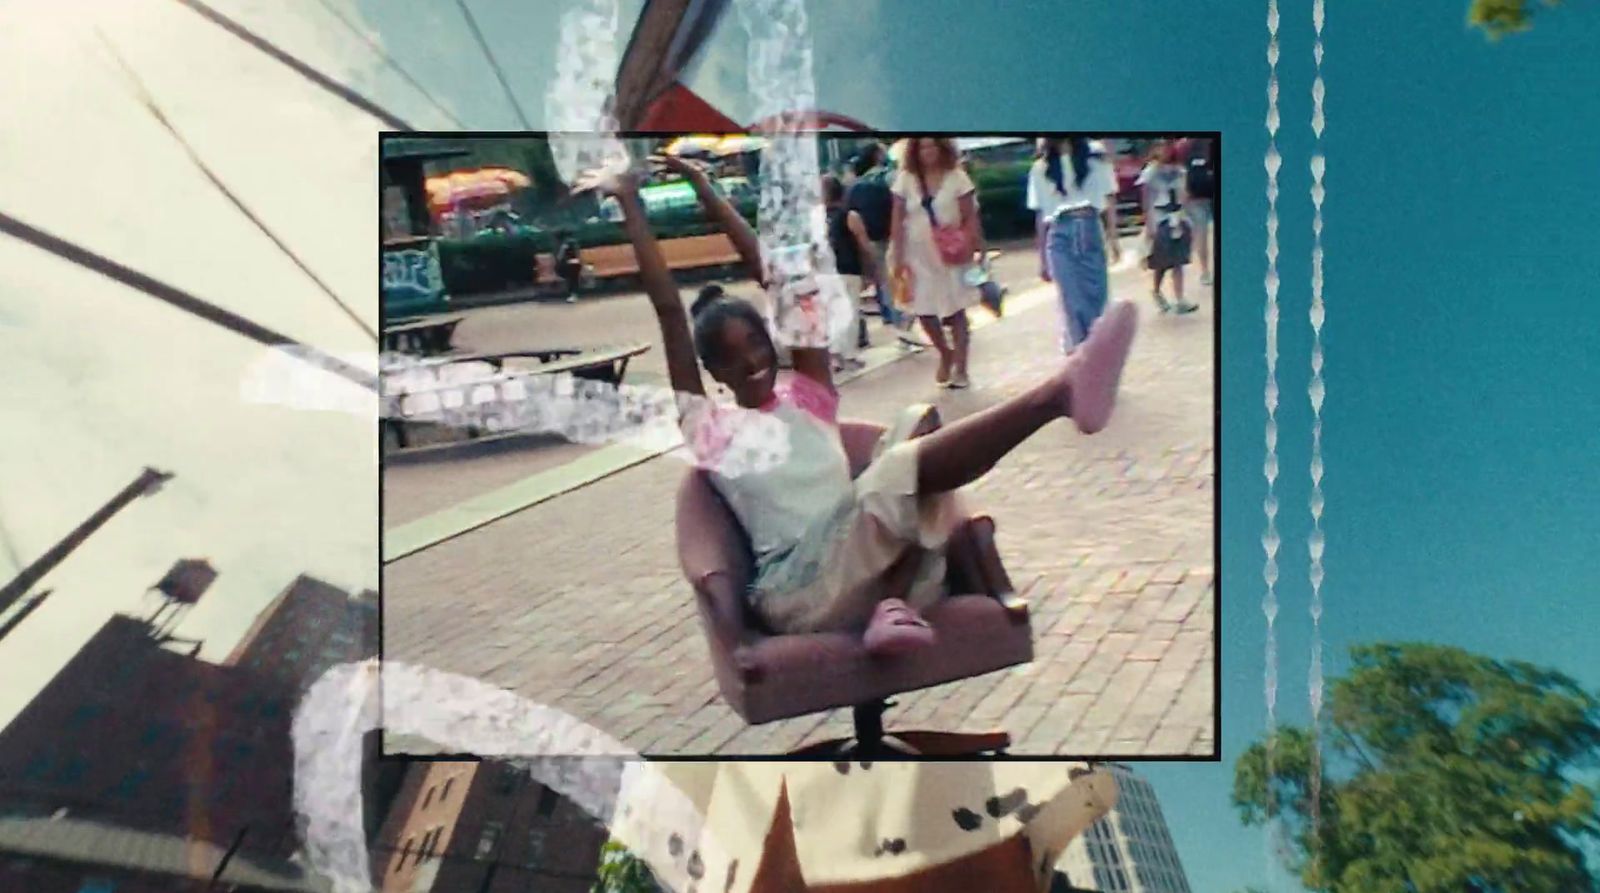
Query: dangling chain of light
793	244
578	105
1316	393
1269	538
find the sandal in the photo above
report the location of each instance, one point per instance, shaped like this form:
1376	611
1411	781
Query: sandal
1097	367
896	628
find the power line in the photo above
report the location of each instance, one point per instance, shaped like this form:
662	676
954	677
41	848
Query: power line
148	101
180	299
390	61
10	547
306	71
493	64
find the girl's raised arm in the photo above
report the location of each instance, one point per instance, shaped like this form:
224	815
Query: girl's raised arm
683	367
724	214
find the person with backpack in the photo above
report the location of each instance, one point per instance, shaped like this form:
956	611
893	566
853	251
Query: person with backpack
1201	181
870	198
853	259
1167	227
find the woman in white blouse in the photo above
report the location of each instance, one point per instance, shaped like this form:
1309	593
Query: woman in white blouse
934	199
1072	185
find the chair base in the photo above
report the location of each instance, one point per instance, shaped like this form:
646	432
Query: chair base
909	744
872	742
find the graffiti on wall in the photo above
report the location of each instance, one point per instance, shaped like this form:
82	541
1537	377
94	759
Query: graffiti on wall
411	279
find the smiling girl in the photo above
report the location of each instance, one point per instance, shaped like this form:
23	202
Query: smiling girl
835	553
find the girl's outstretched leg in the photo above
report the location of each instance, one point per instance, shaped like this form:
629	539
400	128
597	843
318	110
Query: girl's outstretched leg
1084	389
972	553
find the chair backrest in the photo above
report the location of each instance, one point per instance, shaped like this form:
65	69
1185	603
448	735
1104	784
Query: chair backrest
710	538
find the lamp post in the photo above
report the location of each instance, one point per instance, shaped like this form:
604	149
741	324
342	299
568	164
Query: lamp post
147	483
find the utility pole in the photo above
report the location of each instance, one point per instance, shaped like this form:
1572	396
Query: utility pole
148	482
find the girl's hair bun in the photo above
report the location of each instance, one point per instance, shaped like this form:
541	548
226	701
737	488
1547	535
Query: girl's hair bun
708	296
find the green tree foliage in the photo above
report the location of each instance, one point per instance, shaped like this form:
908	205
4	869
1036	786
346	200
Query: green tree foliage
623	872
1443	771
1499	18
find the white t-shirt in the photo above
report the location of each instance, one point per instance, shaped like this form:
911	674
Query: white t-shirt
1164	190
781	468
1094	192
946	199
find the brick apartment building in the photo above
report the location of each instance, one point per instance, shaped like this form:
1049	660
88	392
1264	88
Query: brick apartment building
142	767
486	827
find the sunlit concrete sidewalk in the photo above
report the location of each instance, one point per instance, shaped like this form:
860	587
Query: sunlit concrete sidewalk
578	602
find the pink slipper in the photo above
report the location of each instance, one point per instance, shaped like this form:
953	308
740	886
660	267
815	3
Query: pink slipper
1098	365
896	628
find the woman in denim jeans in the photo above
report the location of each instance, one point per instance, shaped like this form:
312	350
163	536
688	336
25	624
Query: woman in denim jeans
1071	185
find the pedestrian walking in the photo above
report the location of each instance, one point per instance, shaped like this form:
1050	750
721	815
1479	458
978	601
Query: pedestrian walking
934	233
1167	226
870	197
1108	213
1072	187
853	261
1200	181
569	264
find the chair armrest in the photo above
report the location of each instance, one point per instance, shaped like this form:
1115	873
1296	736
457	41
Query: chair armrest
722	612
709	539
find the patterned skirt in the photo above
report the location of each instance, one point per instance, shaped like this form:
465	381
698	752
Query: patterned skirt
763	827
1171	246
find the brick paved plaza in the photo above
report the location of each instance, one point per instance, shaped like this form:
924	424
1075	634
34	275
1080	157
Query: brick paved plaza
578	601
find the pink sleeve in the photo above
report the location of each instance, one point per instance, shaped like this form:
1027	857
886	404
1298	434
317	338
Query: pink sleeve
707	432
809	394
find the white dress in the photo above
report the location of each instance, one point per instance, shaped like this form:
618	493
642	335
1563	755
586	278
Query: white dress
937	289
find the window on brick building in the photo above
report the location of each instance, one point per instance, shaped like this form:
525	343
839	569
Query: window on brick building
430	844
72	771
129	786
548	800
37	768
427	798
506	781
85	714
405	853
535	848
490	839
445	793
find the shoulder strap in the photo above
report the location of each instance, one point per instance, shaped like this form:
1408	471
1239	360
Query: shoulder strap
927	200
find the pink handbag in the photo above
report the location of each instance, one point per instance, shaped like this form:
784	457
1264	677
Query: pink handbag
955	249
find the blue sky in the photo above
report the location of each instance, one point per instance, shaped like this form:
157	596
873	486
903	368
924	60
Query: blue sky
1461	337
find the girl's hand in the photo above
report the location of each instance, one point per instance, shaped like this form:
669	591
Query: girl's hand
613	179
680	166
